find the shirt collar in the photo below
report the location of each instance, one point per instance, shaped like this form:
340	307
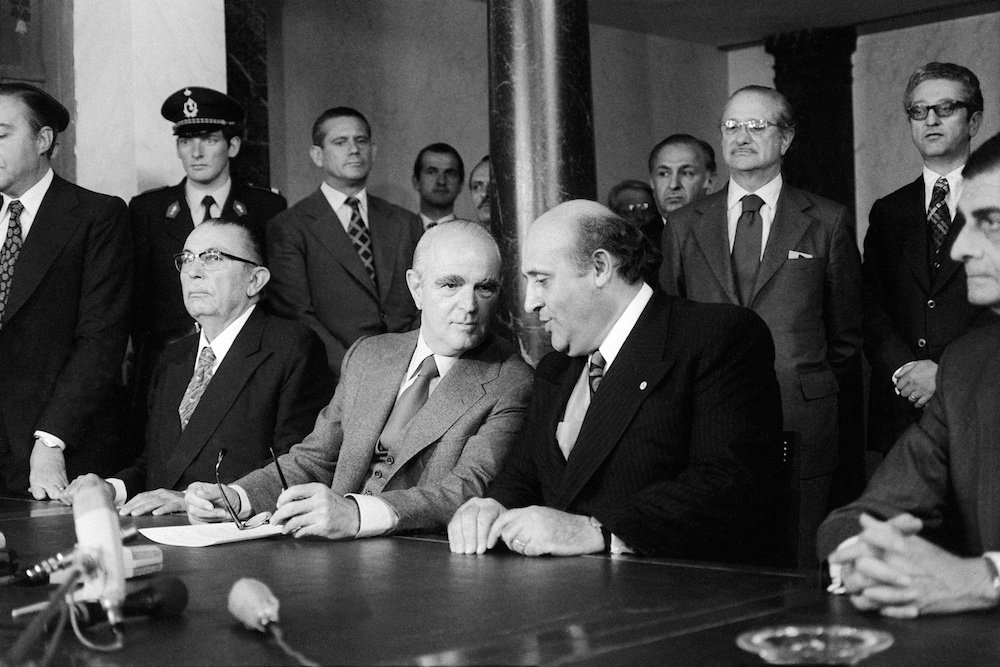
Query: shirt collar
224	341
33	196
195	196
613	342
444	363
336	198
954	179
768	192
427	220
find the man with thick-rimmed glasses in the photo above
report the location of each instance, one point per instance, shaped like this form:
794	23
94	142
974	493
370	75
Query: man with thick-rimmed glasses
915	294
248	381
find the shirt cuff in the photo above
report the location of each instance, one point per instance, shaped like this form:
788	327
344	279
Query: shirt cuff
618	547
377	516
121	493
50	440
245	509
836	582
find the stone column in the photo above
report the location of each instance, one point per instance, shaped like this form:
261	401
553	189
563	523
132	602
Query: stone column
541	131
812	68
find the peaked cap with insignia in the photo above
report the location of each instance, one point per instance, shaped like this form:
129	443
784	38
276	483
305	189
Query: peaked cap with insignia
195	110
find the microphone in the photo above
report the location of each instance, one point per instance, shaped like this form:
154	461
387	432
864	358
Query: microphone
138	560
99	542
163	598
253	604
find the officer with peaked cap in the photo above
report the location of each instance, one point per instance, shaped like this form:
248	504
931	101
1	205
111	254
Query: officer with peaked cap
209	127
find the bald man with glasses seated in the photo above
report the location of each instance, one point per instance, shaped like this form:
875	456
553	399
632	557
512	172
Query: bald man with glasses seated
248	381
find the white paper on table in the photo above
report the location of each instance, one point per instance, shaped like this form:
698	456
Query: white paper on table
207	534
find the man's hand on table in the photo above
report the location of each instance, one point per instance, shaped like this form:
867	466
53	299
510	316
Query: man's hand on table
469	529
530	531
156	502
47	472
898	573
204	503
315	510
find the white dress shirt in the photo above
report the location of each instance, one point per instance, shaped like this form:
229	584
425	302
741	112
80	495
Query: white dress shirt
194	197
338	202
428	222
769	193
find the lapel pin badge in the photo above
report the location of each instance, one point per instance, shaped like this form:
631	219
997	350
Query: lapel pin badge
642	386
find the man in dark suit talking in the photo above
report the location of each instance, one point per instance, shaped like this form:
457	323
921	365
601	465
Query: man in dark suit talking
65	272
653	427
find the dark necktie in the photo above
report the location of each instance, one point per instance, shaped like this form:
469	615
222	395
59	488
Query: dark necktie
938	214
595	372
208	202
11	248
196	387
409	403
746	247
360	237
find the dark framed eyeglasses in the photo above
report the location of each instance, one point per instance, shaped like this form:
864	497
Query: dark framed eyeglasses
254	521
941	109
212	260
753	126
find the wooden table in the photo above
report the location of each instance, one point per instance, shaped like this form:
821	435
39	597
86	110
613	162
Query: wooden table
410	601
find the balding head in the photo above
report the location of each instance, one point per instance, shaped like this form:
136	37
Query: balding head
455	282
584	265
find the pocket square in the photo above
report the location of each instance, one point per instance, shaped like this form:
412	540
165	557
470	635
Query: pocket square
795	254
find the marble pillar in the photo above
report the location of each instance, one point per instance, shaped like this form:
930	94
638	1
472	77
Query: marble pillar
541	131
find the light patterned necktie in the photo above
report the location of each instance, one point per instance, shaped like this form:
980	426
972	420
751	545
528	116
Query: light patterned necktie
196	387
595	372
11	249
360	237
938	214
746	247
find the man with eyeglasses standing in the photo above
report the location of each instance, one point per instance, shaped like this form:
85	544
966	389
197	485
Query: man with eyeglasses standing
914	293
790	256
209	130
248	382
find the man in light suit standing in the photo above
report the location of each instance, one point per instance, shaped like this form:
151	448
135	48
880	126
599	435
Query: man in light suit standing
789	256
338	258
65	276
419	422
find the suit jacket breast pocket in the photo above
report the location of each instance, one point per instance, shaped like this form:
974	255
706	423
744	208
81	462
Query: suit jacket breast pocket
805	264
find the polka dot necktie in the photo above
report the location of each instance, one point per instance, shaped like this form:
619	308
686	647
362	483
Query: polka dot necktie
11	249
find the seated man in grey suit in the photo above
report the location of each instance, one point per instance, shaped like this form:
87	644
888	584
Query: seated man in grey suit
939	486
420	421
249	381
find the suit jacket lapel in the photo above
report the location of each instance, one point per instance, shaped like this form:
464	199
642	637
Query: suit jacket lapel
331	234
385	239
368	413
915	249
458	391
639	367
53	226
235	370
712	233
789	224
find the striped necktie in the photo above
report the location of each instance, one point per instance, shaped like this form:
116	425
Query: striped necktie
938	214
360	237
